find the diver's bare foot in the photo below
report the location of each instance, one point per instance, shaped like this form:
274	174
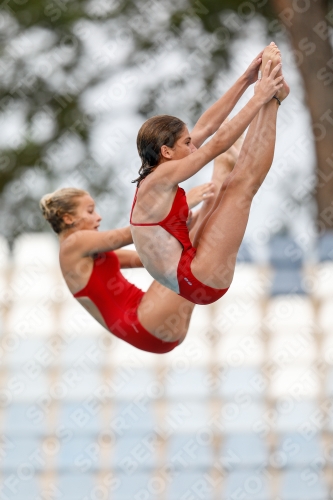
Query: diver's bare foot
272	53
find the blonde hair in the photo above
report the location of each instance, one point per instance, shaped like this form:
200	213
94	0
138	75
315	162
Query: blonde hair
55	205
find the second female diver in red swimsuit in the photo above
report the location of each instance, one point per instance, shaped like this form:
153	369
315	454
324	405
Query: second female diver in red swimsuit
155	321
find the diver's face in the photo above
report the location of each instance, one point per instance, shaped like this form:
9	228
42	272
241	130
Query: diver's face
86	216
183	147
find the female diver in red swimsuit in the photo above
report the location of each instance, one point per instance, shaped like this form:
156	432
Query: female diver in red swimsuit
155	321
202	272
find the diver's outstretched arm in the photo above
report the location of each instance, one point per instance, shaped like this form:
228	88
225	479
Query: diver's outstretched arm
177	171
89	242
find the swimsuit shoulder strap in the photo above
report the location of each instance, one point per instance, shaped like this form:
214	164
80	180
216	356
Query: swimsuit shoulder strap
177	206
133	205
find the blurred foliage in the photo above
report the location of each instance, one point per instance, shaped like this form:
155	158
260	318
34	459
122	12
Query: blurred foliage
47	69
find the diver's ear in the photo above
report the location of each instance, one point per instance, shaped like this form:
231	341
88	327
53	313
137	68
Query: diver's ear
166	152
68	219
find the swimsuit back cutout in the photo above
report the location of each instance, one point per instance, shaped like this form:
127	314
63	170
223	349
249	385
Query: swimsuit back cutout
175	222
117	300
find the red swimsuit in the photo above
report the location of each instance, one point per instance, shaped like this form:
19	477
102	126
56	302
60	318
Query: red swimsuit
117	300
175	223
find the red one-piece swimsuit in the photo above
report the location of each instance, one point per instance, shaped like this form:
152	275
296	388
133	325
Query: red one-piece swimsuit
175	223
117	300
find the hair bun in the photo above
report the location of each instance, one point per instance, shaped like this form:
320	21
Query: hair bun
44	204
55	205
